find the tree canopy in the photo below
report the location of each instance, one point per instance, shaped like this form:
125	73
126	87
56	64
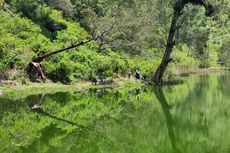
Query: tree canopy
137	39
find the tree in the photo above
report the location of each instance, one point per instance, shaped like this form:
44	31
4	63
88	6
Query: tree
34	65
178	7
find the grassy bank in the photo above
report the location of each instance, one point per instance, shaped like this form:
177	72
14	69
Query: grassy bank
20	91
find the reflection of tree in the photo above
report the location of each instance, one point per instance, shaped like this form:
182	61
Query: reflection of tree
224	87
169	121
138	94
41	111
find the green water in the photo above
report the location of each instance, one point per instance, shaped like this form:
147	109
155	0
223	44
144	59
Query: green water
189	117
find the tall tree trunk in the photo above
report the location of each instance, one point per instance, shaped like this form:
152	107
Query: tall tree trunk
158	76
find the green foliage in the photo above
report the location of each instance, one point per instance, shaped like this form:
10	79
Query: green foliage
16	42
181	56
89	64
23	41
146	66
63	5
137	40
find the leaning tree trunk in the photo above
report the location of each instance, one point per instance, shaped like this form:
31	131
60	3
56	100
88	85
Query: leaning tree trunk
34	66
158	76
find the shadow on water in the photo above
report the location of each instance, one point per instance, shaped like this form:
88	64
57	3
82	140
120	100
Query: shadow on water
158	92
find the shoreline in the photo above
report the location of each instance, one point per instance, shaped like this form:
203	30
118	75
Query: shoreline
18	90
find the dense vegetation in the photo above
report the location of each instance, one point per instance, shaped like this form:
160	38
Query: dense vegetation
130	33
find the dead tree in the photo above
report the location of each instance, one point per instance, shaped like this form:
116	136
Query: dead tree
35	64
178	7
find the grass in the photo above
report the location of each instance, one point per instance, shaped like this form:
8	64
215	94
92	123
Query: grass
33	88
20	91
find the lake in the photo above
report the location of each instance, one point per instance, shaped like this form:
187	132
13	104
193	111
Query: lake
192	116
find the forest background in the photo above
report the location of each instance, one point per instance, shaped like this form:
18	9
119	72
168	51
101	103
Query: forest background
119	34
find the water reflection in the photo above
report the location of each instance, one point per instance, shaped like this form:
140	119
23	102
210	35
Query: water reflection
183	118
138	94
158	92
129	95
36	108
